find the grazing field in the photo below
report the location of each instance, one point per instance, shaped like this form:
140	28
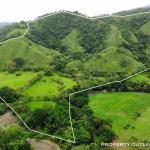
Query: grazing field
13	80
50	86
46	86
40	104
128	111
141	128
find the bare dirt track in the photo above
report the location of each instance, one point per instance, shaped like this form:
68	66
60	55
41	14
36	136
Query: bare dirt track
43	145
7	120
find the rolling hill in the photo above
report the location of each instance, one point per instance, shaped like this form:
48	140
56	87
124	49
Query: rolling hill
75	38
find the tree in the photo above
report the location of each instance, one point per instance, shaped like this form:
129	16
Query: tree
37	118
14	139
80	100
19	62
48	72
9	94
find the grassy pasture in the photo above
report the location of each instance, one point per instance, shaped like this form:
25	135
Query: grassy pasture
39	104
14	81
120	108
50	86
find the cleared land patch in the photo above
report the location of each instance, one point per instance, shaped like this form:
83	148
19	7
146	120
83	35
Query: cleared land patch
50	86
15	81
40	104
7	120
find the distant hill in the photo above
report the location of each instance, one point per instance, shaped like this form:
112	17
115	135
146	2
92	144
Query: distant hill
133	11
4	24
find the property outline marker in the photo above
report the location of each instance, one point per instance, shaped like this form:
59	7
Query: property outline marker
117	81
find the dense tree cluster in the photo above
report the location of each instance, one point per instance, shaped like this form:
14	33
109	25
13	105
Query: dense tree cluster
14	139
88	129
8	94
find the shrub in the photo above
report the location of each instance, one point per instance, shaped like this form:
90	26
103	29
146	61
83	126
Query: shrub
9	94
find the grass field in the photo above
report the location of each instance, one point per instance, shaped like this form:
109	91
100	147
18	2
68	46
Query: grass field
141	125
14	81
141	78
40	104
50	86
120	108
46	86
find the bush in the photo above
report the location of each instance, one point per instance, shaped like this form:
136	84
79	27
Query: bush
19	62
14	139
48	72
3	108
9	94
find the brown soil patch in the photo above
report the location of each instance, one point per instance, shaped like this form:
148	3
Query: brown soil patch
7	120
43	145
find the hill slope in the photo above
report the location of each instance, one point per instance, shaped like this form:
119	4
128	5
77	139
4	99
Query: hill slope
32	54
121	43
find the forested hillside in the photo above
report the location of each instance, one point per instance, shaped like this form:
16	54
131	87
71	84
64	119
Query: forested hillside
86	41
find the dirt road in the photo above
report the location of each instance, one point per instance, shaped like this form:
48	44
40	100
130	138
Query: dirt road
43	145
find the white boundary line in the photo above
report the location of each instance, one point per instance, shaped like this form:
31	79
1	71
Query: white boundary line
70	118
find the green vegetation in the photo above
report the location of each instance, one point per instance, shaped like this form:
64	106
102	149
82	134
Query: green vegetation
136	130
112	59
141	79
34	55
134	11
122	109
12	30
15	80
40	104
145	28
62	54
71	42
14	138
50	86
8	94
115	36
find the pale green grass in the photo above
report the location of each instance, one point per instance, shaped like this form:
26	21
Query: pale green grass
71	42
120	108
50	86
146	28
115	36
132	37
40	104
33	54
14	32
111	60
13	81
142	78
141	130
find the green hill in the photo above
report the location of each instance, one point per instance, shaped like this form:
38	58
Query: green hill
106	45
113	59
34	55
